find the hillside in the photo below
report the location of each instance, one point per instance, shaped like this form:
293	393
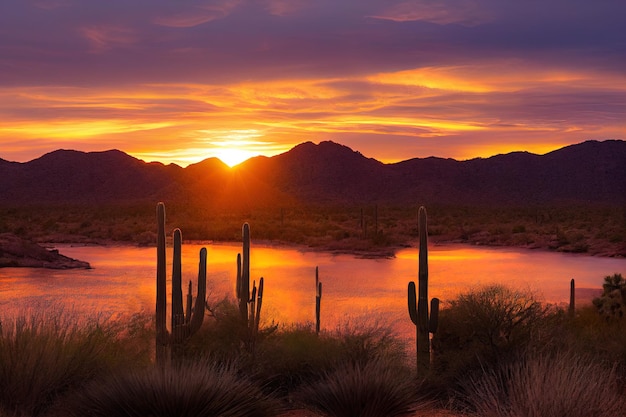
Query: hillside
327	173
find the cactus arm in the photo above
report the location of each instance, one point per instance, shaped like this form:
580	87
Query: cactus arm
259	301
242	296
433	321
412	302
200	306
252	305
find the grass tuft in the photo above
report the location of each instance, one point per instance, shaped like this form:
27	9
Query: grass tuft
562	384
189	389
47	353
356	390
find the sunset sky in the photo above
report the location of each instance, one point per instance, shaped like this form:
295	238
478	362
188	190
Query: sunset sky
183	80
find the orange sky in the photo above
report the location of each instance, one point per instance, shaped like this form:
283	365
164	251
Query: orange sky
233	79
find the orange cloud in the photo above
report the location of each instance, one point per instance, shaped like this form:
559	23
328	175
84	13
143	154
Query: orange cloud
460	111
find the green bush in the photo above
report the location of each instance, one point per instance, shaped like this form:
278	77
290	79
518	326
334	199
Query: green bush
612	303
189	389
484	327
564	384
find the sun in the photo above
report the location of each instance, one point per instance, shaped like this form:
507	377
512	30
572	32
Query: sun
233	146
232	156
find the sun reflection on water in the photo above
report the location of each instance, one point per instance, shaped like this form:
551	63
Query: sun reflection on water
123	280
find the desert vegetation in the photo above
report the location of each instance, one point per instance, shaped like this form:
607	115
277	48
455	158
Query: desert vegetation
369	229
496	351
527	359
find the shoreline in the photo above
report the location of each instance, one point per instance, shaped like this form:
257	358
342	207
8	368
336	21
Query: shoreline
373	252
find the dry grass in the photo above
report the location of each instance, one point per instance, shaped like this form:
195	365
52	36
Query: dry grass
557	385
375	389
190	389
45	354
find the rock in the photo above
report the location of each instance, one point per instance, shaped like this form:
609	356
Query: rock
18	252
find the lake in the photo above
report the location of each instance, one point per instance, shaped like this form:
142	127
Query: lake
123	279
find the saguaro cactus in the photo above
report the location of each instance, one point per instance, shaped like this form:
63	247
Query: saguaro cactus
318	300
249	302
182	325
418	305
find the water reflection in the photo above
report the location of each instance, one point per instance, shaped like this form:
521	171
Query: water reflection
123	279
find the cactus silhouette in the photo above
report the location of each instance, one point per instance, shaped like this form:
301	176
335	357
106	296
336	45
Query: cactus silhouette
249	302
418	304
318	300
572	298
182	325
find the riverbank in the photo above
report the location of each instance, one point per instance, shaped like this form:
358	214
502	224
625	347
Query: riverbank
22	253
367	250
375	231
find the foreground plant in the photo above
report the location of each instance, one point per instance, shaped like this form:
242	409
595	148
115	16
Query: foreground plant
45	354
188	389
371	390
548	386
184	323
418	304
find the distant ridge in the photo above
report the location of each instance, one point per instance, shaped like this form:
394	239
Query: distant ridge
326	173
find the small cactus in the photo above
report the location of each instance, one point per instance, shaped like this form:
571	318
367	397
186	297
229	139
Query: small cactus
572	298
418	303
318	300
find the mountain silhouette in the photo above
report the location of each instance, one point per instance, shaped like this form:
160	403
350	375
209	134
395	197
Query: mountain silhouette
589	172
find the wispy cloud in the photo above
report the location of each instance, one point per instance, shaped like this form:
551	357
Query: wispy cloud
189	16
463	12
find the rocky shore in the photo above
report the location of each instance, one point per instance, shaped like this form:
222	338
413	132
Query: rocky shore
18	252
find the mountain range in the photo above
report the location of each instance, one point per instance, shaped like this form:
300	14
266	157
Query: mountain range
324	173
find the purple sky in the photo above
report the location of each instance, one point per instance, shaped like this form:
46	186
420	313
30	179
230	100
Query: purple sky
182	80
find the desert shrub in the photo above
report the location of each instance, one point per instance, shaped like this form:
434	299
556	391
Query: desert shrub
297	356
483	327
590	334
563	384
224	337
188	389
374	389
293	357
47	353
612	303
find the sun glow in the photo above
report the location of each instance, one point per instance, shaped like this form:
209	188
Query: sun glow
234	156
234	146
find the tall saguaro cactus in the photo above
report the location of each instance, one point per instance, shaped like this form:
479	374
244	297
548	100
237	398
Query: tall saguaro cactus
249	302
182	325
418	305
